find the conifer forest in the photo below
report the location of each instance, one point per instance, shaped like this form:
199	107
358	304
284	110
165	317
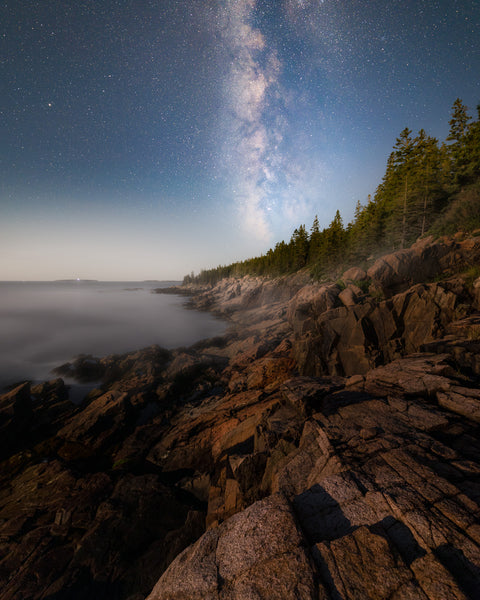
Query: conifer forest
428	188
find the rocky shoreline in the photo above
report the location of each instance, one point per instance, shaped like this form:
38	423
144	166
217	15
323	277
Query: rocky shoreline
327	446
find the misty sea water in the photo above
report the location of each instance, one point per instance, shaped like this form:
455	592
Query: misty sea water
43	325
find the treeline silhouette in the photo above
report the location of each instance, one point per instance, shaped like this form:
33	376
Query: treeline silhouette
427	188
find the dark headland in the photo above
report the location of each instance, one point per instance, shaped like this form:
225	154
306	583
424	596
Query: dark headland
327	447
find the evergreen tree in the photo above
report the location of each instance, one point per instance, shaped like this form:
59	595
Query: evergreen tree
333	241
300	243
457	148
358	211
467	154
315	241
458	122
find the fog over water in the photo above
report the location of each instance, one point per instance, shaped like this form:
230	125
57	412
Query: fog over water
43	325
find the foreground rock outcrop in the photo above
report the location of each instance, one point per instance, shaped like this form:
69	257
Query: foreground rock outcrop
258	553
383	488
326	447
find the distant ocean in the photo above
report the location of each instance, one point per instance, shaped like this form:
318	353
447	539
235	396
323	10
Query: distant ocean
43	325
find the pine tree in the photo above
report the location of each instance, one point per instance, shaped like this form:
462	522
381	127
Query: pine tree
466	166
358	211
403	148
457	148
315	241
300	244
334	239
458	123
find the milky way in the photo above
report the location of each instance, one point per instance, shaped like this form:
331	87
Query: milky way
252	148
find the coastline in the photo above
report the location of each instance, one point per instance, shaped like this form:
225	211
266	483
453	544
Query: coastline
44	325
327	425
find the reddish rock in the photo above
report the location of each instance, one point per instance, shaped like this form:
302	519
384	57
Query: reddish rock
269	373
363	565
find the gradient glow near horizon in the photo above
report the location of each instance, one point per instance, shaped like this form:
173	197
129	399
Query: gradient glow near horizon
144	140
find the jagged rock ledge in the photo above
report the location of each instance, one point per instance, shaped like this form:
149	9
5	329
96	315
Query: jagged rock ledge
328	444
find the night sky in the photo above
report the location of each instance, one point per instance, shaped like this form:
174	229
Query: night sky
145	139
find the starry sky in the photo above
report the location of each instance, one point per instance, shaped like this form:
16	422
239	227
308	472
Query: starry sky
145	139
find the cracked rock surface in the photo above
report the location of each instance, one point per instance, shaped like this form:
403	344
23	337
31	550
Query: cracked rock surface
326	447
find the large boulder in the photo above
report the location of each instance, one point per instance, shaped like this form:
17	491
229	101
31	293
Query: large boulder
403	268
423	261
354	274
259	553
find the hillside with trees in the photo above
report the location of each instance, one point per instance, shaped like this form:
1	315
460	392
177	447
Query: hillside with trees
428	188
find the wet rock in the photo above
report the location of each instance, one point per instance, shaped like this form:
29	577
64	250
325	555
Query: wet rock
85	368
150	361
